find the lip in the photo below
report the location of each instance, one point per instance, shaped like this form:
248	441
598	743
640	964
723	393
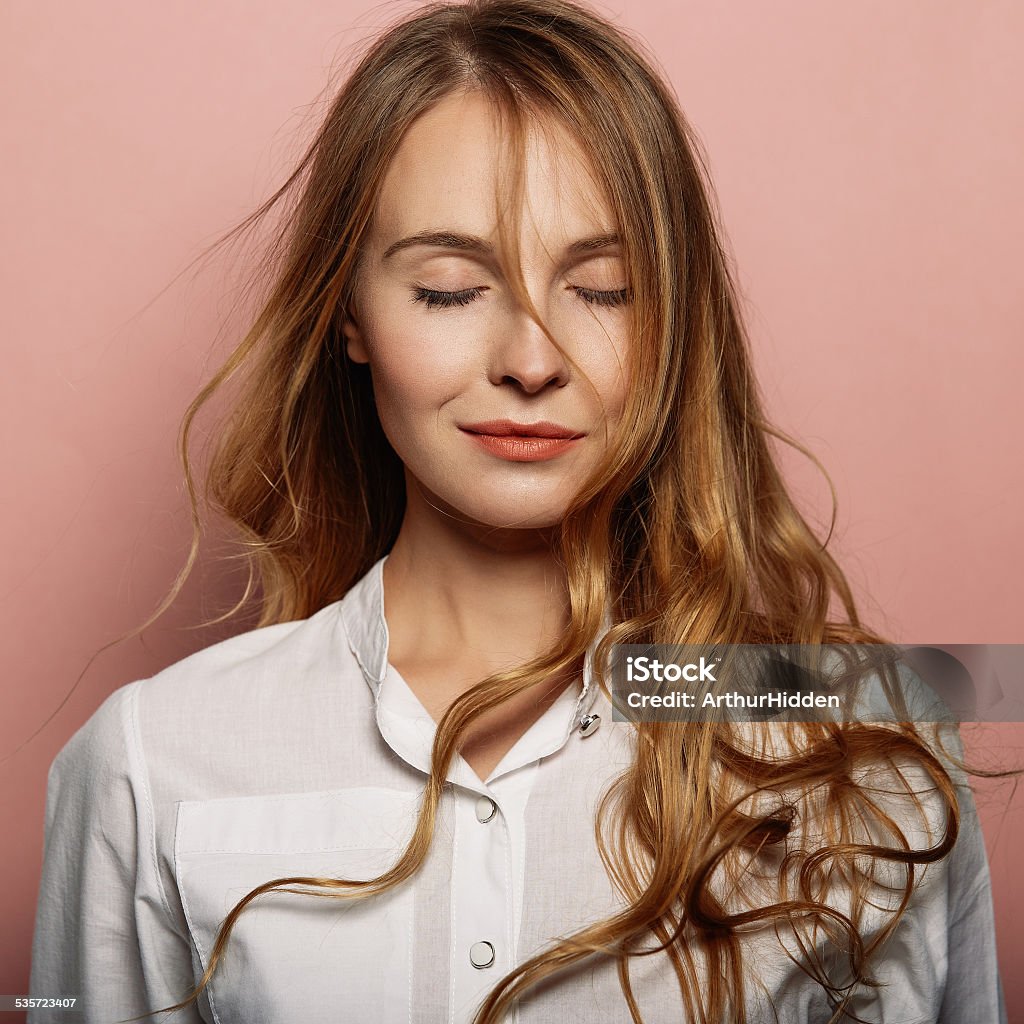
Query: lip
513	448
509	428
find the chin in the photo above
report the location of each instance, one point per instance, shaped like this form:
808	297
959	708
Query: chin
498	510
511	516
498	502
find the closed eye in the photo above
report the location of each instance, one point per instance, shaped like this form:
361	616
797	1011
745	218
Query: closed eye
434	299
599	298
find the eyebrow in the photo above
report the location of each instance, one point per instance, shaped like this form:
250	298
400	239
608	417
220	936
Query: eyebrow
475	244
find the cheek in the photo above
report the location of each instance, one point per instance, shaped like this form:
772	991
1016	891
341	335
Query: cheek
416	367
607	367
613	399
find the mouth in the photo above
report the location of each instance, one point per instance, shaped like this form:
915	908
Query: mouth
509	428
523	442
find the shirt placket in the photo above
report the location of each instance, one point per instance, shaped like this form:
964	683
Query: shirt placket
483	897
488	842
488	860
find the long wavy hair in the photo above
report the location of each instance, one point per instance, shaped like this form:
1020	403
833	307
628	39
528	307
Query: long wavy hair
686	529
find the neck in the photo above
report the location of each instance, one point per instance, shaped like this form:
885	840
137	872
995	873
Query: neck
481	596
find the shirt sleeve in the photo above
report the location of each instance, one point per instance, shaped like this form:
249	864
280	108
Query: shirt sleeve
940	966
103	930
974	991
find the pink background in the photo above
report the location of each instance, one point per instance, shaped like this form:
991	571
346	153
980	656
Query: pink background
868	163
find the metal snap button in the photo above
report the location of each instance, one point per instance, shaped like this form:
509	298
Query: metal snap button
486	808
590	724
481	954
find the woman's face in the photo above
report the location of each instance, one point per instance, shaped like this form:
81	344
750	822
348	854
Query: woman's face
449	348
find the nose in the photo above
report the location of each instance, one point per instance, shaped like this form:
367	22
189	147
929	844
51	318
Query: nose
525	356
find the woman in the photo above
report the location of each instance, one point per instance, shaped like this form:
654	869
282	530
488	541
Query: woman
497	414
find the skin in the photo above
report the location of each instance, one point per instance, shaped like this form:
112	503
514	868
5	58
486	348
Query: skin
471	585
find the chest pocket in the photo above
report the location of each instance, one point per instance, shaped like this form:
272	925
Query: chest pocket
289	956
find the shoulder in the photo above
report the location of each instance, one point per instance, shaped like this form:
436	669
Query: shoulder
234	673
206	700
97	750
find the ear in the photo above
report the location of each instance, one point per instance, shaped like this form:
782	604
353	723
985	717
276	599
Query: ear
354	344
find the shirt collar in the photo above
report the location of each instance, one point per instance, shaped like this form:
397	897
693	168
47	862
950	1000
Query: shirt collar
404	721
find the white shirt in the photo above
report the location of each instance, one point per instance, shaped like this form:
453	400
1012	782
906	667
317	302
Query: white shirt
297	749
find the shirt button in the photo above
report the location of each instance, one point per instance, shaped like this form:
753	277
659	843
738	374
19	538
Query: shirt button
481	954
485	809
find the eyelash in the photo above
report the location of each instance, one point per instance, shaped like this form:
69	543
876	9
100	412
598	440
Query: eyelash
436	299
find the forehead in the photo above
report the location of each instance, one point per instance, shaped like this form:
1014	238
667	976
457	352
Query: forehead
446	174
